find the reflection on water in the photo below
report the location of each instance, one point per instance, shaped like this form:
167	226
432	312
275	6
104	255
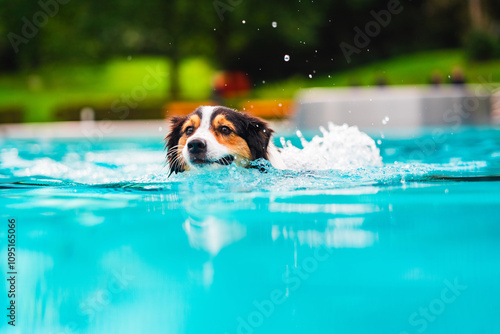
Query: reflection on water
332	236
212	234
260	265
108	244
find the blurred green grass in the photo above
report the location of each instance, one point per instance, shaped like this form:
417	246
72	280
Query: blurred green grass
41	93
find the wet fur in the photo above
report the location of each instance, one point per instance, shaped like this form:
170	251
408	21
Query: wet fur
254	131
171	142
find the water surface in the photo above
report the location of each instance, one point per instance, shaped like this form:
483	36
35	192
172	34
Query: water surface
357	236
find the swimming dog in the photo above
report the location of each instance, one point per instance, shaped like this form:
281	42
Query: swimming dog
211	137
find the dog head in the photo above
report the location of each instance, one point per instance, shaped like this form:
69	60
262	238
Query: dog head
216	136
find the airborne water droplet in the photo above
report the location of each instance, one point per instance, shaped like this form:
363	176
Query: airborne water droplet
243	21
287	57
274	24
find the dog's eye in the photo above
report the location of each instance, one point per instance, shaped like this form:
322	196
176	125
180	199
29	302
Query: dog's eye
189	130
225	130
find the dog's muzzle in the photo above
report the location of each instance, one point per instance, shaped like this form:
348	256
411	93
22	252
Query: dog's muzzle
197	149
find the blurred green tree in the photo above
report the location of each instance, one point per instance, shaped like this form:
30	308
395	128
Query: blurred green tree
253	36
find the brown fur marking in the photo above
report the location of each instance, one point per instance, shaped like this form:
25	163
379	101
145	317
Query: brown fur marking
235	144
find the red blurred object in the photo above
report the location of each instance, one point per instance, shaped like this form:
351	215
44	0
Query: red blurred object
231	84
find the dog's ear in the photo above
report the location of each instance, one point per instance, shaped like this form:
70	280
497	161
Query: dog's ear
171	143
259	135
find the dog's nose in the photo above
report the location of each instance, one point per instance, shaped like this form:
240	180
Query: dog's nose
197	146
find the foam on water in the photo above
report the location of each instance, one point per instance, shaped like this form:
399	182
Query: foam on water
89	168
339	147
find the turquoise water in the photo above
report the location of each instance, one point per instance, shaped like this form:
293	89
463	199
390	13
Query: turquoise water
107	243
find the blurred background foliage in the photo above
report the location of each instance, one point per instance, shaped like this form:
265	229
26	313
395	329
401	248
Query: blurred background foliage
91	52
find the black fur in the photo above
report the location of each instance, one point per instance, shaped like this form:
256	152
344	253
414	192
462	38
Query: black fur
172	140
252	129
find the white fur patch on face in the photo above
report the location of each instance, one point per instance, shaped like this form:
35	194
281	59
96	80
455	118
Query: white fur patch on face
215	150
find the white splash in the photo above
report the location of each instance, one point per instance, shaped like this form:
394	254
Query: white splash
89	168
339	147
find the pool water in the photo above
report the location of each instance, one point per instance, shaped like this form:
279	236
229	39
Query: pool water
388	235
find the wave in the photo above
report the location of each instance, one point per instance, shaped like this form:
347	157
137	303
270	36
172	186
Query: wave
341	157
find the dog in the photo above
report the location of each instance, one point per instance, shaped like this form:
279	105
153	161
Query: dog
211	137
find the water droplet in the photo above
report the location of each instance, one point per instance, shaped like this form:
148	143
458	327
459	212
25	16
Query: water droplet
243	21
287	58
263	81
160	129
274	24
379	142
310	76
385	120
